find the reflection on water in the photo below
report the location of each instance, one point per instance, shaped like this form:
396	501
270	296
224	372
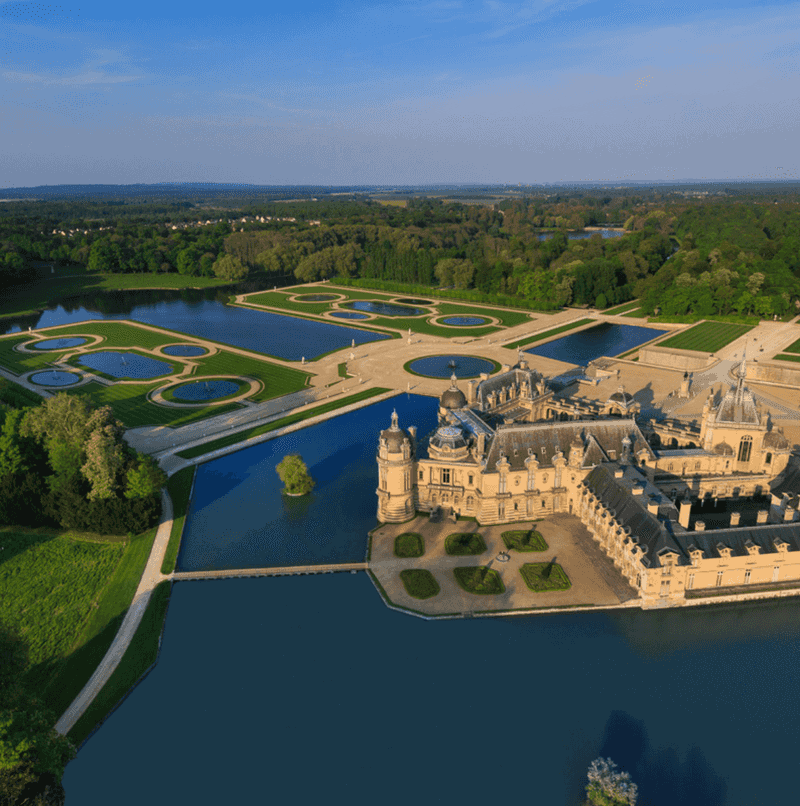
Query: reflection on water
443	366
125	365
55	377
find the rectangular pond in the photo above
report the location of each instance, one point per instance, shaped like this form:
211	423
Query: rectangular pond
238	517
603	339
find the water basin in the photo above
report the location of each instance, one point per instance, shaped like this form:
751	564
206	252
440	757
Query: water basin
126	365
603	339
464	321
414	301
349	315
55	377
185	350
205	390
580	236
59	344
315	297
439	366
383	308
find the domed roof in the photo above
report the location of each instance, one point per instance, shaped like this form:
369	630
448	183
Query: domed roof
394	435
448	437
452	398
621	396
723	449
775	440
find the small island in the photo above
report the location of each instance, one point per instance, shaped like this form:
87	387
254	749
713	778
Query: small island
294	474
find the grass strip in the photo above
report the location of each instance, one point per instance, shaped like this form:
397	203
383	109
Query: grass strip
794	347
179	488
546	334
241	436
707	337
140	656
787	357
624	308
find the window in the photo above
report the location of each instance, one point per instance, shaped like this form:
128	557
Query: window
745	446
638	580
421	475
747	576
768	460
776	572
697	465
665	587
501	509
690	582
407	480
719	578
543	504
669	466
469	502
531	480
469	478
502	487
445	475
666	570
516	506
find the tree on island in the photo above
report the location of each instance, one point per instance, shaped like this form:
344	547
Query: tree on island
293	473
609	786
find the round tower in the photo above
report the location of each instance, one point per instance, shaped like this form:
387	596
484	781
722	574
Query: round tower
396	483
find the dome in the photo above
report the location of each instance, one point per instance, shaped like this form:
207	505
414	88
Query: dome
621	396
449	437
723	449
394	435
775	440
452	398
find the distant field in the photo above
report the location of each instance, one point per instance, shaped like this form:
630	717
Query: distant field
707	337
546	334
627	306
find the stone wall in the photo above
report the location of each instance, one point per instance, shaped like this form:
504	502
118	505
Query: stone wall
773	372
674	359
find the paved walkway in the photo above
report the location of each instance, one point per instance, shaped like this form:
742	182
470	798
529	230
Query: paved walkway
150	578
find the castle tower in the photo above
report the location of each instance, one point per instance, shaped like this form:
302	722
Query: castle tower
396	482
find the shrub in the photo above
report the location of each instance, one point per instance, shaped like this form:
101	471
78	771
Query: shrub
524	541
464	544
419	583
479	579
409	544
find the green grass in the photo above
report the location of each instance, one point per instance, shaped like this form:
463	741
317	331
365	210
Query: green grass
130	405
624	308
787	357
117	334
241	436
419	583
409	544
479	579
137	660
407	367
343	370
546	334
637	312
19	363
179	488
707	337
464	544
17	396
542	577
794	347
524	541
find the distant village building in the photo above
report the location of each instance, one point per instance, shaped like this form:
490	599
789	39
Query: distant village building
507	450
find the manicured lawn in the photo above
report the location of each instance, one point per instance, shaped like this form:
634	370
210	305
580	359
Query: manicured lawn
409	544
278	299
116	334
139	657
637	312
479	579
20	363
624	308
179	488
707	337
241	436
524	541
464	544
419	583
343	370
546	334
787	357
17	396
794	347
541	577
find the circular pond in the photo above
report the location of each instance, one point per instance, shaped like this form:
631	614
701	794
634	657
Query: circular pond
184	350
126	365
464	321
349	315
383	308
414	301
205	390
443	366
54	377
60	344
315	297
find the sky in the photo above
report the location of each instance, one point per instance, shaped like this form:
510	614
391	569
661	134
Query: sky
347	92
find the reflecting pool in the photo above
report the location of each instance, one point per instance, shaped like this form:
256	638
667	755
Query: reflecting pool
443	366
54	377
205	390
59	344
185	350
382	308
349	315
328	525
126	365
414	301
294	684
464	321
603	339
315	297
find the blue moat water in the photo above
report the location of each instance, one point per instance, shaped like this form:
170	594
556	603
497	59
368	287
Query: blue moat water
59	344
205	390
438	366
382	308
464	321
126	365
54	377
185	350
603	339
349	315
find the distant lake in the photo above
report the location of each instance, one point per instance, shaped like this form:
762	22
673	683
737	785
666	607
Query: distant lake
581	235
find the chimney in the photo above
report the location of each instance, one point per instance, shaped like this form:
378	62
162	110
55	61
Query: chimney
481	443
789	513
652	506
762	516
735	518
638	488
699	526
471	387
506	367
685	511
618	472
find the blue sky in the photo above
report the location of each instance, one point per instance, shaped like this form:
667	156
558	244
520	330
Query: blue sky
397	93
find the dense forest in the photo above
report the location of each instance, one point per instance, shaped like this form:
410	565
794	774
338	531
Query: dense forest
684	254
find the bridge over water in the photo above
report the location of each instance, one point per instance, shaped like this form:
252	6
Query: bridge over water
280	570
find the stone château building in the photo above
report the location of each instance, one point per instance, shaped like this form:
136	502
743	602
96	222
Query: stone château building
509	451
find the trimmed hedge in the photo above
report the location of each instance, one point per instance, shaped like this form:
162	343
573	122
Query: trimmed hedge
419	583
479	579
409	544
464	544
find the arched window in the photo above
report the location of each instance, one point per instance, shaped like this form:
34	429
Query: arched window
768	460
469	502
745	446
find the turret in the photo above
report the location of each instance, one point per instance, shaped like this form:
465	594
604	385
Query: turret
396	482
